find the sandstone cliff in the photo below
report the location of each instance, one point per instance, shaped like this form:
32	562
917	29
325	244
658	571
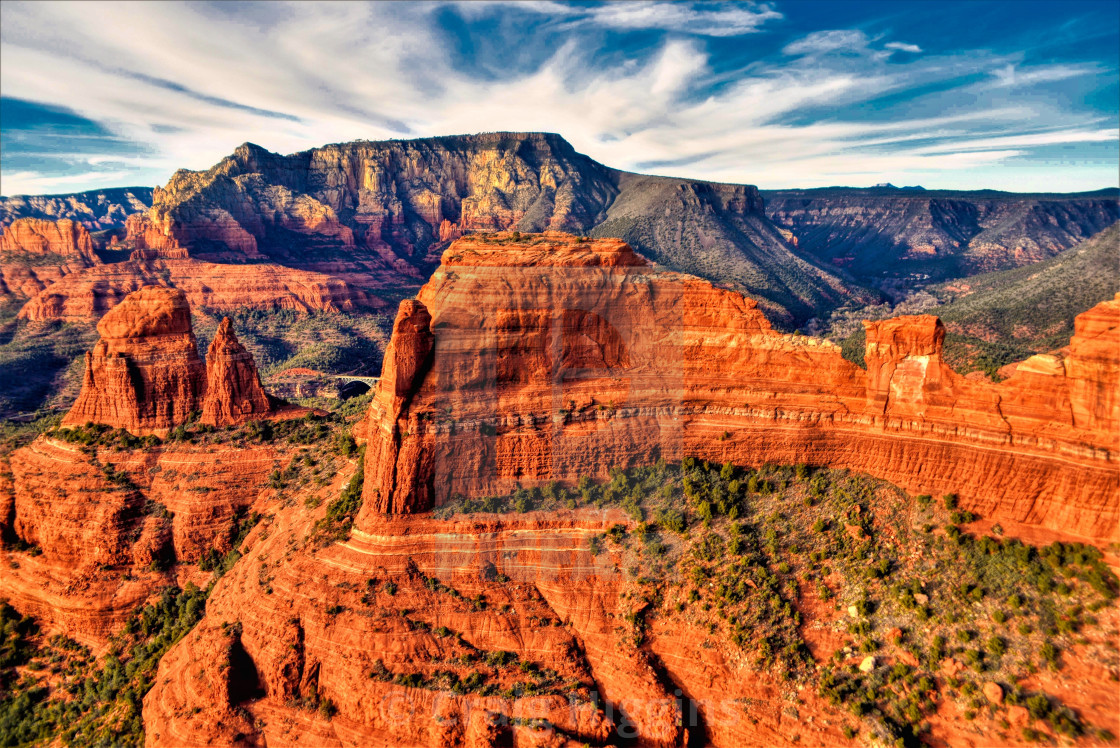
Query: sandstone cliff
35	253
144	374
550	367
85	296
154	508
387	209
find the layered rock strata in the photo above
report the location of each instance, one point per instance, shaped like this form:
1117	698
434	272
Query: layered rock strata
524	584
554	358
386	210
145	375
85	295
35	253
37	237
167	504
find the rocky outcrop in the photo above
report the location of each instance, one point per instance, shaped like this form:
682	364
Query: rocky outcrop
233	387
166	504
1092	370
392	485
145	375
33	238
96	209
546	367
885	233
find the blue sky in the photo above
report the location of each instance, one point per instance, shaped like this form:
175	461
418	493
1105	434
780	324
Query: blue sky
1008	95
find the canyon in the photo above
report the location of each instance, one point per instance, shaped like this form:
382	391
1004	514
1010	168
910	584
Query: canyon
365	601
597	495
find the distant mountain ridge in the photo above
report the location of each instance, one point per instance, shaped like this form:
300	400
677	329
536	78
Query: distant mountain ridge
387	209
1011	314
882	233
97	210
378	214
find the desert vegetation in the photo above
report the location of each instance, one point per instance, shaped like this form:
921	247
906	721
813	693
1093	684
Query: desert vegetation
929	612
54	689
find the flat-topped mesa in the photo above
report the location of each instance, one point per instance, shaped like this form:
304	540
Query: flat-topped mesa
233	386
550	249
35	237
554	358
37	253
145	375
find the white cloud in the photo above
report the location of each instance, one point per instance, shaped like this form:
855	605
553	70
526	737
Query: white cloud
371	71
1016	75
727	20
821	42
903	47
699	18
34	183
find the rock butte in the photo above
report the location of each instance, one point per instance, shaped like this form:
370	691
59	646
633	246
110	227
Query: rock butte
145	375
554	358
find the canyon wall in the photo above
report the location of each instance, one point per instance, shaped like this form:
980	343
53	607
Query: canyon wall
107	539
554	358
84	297
35	253
382	212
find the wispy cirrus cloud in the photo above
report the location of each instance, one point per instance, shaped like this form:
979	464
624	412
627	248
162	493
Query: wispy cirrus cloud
903	47
719	91
702	19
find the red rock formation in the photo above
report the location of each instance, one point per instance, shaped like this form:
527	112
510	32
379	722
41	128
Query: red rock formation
144	374
35	253
90	531
554	359
36	237
233	387
85	295
1093	369
392	485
